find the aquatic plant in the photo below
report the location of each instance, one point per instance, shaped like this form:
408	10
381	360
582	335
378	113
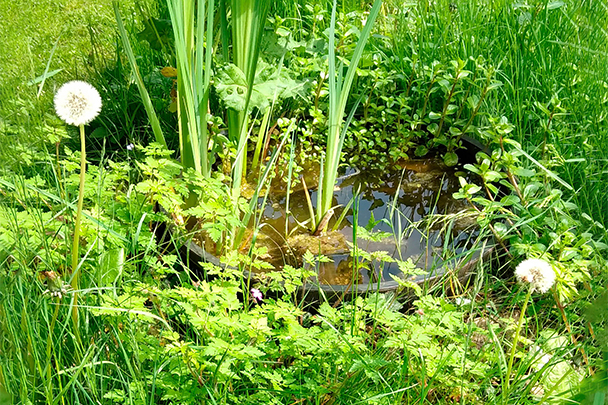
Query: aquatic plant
339	90
192	24
248	20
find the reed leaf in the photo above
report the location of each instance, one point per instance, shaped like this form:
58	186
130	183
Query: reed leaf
339	90
143	92
248	20
193	48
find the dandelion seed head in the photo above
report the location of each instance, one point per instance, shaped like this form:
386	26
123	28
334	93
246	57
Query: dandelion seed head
77	103
536	272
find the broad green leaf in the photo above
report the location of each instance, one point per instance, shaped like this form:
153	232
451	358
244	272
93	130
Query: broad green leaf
509	200
521	172
471	168
501	229
231	85
450	159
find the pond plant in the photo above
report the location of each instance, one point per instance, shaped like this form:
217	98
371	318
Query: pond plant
451	97
339	90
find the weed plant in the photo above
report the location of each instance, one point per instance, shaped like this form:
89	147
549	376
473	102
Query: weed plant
159	334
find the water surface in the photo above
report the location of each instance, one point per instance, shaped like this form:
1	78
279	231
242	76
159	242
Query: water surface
395	200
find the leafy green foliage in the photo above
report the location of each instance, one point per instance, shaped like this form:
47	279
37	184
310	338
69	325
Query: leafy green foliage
156	334
270	85
533	217
274	352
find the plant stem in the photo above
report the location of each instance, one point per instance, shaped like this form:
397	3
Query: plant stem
76	241
516	339
447	102
428	93
311	210
510	174
478	106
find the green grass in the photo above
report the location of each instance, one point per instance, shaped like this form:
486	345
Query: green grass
544	50
35	27
75	38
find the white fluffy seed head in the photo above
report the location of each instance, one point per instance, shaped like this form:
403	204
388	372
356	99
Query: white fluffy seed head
77	103
536	272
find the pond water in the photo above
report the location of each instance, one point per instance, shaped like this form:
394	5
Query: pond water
395	200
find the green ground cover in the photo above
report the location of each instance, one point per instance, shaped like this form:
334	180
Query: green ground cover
529	80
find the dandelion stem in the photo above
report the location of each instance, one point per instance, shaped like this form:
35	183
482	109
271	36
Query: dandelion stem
76	242
516	337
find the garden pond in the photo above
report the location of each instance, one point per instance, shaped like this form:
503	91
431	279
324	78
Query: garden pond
392	210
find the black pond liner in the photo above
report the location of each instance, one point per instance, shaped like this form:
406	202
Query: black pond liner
313	292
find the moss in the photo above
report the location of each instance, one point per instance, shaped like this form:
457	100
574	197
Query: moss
329	244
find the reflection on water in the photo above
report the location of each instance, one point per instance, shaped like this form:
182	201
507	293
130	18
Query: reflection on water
394	199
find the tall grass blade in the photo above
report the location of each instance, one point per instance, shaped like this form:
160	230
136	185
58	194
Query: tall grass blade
46	73
143	92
